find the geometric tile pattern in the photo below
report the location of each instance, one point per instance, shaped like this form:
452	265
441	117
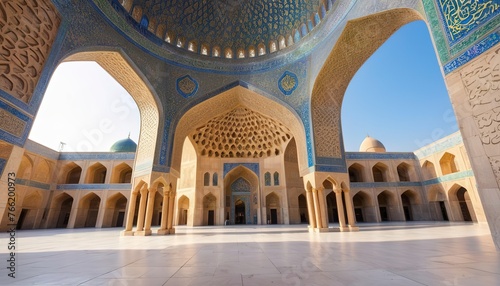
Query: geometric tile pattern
236	25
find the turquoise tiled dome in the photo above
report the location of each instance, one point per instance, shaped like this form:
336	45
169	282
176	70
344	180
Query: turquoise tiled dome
124	145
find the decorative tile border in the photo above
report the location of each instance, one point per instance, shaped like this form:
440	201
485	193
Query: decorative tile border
380	156
440	145
442	179
41	150
254	167
96	156
449	177
330	169
94	187
34	184
384	184
476	50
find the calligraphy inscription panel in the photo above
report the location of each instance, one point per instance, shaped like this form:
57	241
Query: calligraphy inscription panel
463	16
11	124
482	85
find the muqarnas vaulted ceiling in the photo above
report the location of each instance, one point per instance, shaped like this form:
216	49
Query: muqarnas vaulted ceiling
241	133
245	28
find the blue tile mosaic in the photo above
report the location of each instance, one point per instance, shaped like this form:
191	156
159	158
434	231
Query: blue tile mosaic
254	167
164	143
240	186
186	86
232	24
461	29
461	17
161	169
330	169
121	21
474	51
288	82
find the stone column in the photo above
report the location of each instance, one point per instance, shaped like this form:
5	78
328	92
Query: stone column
350	212
170	219
130	215
322	207
142	209
164	214
102	211
73	215
317	209
310	210
340	210
149	212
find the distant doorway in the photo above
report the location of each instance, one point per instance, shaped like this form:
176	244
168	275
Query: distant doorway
383	214
211	217
358	212
274	216
443	210
462	200
239	212
119	219
20	221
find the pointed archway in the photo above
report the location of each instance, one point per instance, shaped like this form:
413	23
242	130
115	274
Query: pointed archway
114	213
209	209
242	184
182	210
364	210
88	210
273	209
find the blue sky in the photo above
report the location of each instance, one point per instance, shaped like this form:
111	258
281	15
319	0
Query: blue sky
398	96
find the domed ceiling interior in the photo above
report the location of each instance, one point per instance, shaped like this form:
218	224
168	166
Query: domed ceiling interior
228	28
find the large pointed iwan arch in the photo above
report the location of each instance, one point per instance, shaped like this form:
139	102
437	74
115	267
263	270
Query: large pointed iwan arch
122	69
230	99
359	40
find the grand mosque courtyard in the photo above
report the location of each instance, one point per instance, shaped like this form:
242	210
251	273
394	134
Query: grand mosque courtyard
394	253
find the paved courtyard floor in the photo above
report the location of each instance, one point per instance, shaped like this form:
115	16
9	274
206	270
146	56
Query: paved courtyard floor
417	253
